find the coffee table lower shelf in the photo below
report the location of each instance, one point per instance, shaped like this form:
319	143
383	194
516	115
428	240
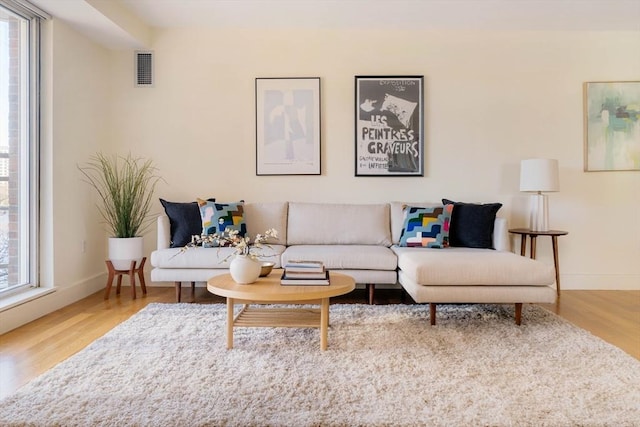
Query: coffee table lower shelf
299	317
251	316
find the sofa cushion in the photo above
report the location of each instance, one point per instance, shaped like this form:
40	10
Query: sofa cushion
184	220
472	224
357	257
338	224
476	294
260	217
217	217
426	227
196	258
472	266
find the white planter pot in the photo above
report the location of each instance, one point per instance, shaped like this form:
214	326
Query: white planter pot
244	270
124	250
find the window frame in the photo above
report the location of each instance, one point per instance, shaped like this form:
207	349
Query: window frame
30	152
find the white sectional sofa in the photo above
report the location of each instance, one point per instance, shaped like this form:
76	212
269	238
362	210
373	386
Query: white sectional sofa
361	240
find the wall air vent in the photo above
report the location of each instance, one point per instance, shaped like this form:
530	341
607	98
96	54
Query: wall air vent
144	68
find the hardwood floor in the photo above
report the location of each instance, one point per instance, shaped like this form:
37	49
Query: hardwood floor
32	349
613	316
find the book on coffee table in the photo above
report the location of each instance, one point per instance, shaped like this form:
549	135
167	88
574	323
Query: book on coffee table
302	266
286	279
305	274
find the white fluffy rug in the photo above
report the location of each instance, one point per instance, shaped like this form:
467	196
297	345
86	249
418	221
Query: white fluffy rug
385	366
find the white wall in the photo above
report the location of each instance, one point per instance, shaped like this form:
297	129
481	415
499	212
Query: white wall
81	127
76	124
492	99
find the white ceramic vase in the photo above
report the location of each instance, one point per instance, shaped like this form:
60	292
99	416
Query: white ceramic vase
244	269
124	250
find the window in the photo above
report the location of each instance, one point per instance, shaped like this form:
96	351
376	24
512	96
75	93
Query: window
19	71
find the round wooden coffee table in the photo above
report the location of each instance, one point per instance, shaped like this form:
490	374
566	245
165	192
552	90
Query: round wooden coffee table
268	290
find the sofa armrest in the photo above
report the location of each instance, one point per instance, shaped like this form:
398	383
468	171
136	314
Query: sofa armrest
501	240
164	232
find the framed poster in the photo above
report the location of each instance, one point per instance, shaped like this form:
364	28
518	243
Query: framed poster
612	126
288	126
389	126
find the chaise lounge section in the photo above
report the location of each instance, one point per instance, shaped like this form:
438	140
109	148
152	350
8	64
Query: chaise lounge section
466	275
491	274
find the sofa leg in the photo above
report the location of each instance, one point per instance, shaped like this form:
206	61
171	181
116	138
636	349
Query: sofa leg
518	313
178	290
193	291
371	289
432	313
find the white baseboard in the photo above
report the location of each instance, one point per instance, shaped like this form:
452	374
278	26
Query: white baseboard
600	282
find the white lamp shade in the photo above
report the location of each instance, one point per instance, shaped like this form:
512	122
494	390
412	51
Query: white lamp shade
539	175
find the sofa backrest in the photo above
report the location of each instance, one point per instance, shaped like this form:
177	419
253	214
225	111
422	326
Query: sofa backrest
338	224
501	240
260	217
327	224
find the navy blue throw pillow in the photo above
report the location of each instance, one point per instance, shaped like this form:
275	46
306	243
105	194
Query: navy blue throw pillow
184	220
472	224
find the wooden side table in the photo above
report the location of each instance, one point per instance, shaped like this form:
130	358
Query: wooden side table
524	232
133	270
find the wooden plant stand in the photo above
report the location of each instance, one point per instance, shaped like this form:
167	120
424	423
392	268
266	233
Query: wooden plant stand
133	270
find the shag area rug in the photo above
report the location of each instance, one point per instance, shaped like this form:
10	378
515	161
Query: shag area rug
385	366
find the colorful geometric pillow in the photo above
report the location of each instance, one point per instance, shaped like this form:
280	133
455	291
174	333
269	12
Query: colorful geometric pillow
184	221
472	224
426	227
217	217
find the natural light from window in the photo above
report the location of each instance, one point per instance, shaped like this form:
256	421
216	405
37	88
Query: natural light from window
18	149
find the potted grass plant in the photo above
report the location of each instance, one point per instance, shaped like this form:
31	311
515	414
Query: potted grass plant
125	186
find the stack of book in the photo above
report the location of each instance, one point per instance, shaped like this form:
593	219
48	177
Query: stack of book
305	273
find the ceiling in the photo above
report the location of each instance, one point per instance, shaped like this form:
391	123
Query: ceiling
97	18
530	14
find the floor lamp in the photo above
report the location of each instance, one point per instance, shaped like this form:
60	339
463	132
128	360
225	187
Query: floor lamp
538	176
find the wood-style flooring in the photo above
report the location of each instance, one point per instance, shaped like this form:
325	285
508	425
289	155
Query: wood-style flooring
32	349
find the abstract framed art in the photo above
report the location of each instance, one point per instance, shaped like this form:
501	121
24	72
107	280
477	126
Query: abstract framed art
288	126
612	126
389	115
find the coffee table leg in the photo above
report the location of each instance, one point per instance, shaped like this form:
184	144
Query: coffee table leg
229	323
324	323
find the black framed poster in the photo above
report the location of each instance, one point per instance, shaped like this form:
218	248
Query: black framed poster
389	126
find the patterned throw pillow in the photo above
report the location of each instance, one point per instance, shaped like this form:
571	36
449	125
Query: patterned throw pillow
217	217
426	227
